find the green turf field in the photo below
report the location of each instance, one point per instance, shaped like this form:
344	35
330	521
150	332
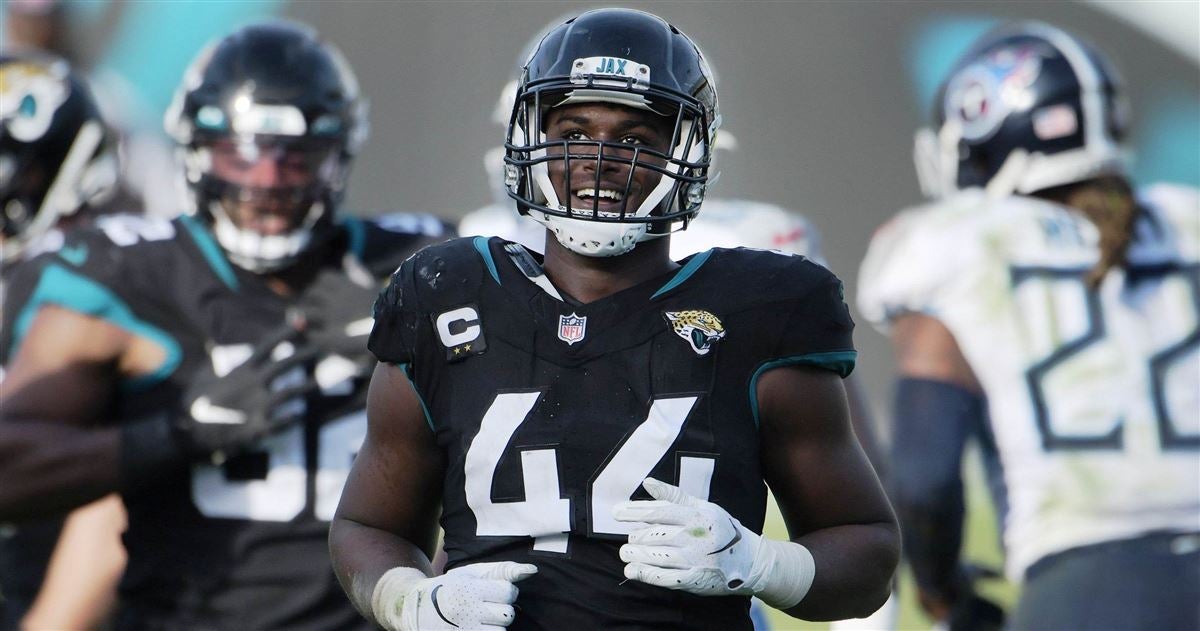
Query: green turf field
982	546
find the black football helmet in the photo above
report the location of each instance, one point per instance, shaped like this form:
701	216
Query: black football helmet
57	157
268	120
629	58
1028	107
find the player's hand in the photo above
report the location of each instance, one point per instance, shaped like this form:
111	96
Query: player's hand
964	609
337	316
476	597
223	414
688	544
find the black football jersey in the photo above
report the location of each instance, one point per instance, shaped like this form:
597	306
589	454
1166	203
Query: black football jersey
242	545
551	412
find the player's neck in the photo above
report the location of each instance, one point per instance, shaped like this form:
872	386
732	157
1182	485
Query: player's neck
293	279
587	278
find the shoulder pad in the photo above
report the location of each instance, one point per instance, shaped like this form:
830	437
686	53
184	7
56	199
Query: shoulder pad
1175	211
813	325
447	273
913	253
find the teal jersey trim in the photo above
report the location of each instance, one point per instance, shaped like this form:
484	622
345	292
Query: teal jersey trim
481	246
211	251
407	368
60	286
358	235
683	274
841	362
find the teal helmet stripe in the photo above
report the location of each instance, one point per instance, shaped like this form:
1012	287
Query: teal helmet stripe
61	287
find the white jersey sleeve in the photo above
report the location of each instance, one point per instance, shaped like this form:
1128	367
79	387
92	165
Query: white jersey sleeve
1179	208
1092	392
731	223
921	260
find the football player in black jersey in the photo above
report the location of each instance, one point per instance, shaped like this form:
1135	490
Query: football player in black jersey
213	368
597	427
58	168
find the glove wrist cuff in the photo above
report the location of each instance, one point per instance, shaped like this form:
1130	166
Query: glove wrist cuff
787	570
389	596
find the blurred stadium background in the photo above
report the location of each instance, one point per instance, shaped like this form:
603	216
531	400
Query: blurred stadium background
823	98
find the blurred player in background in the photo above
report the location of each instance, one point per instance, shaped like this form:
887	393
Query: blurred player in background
528	401
213	367
1044	303
58	168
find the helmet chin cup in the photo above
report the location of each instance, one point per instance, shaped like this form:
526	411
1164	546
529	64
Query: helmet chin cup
260	253
593	238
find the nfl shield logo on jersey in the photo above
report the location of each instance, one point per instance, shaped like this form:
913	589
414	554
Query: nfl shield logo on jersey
571	328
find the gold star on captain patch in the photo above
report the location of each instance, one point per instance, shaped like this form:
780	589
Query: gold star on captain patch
466	347
457	351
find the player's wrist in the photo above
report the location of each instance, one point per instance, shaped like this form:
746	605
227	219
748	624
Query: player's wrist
390	594
783	572
148	448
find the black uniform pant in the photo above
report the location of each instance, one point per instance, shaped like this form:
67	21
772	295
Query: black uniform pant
1151	583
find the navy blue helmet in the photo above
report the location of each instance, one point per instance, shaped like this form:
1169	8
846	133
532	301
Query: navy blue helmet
1028	107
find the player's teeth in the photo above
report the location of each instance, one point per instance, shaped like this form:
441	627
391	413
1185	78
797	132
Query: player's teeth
602	193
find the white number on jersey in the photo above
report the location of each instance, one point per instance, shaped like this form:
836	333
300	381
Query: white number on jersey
281	494
126	230
544	514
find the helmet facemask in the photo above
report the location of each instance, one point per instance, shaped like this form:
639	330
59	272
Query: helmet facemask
267	197
610	224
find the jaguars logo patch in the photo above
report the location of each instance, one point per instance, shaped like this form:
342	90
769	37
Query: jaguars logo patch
701	329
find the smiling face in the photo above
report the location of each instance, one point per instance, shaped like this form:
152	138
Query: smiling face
608	185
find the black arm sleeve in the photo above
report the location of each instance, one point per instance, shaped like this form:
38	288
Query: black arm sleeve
933	421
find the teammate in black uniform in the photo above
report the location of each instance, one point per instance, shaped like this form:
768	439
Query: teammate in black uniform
531	399
213	367
58	167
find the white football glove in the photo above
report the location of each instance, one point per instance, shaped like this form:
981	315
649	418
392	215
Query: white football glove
695	546
476	597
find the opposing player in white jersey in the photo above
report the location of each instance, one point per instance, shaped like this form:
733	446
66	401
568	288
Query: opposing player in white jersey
1042	303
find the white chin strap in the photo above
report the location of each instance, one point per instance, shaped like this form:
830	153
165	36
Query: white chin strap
259	253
